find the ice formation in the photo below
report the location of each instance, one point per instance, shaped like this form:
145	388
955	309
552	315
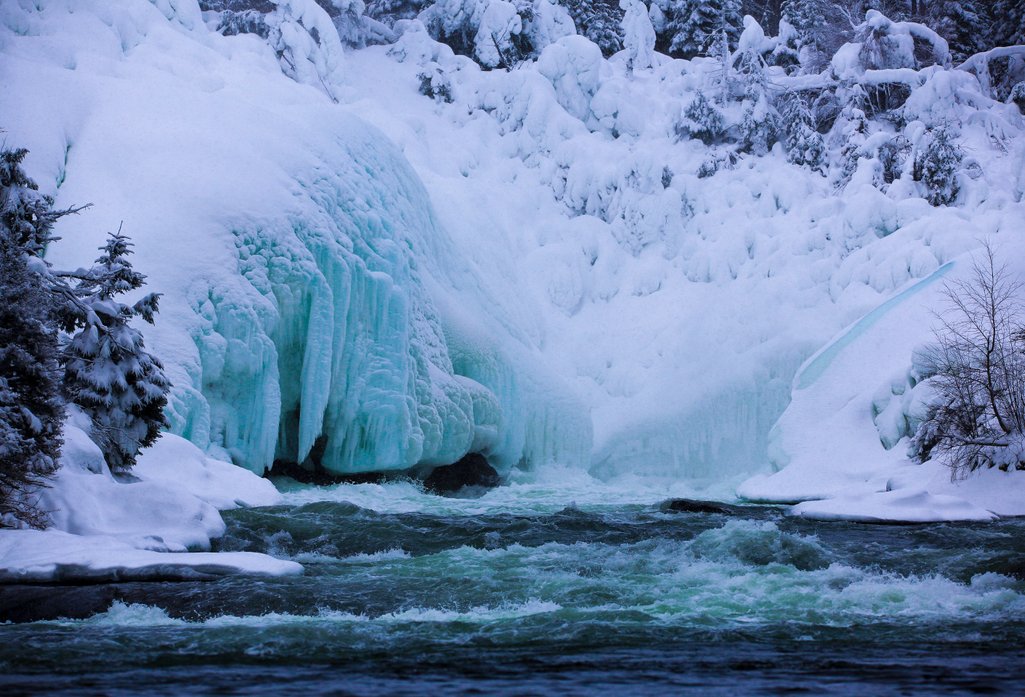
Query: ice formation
537	264
302	268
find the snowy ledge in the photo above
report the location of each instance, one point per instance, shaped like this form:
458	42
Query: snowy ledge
40	556
840	448
911	507
139	528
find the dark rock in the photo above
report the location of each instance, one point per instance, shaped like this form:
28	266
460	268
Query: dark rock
471	471
321	477
697	506
34	603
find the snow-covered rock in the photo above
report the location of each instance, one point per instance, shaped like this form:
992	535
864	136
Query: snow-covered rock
33	556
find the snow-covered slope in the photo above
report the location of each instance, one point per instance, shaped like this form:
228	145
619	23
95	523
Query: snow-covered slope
536	266
307	286
682	303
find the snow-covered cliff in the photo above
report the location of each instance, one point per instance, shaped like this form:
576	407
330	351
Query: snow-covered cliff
543	264
312	305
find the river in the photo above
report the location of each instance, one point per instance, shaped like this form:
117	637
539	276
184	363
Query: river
545	586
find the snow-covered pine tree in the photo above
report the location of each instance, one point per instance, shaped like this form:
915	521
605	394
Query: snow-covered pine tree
937	165
694	25
803	143
759	124
1007	21
963	23
390	11
702	120
107	370
809	20
849	131
638	35
31	408
599	21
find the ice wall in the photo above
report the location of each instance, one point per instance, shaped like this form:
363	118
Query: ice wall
292	243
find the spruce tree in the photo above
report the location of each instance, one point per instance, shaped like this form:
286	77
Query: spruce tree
809	19
108	371
803	143
965	27
702	120
31	408
599	21
695	24
1007	19
759	124
937	166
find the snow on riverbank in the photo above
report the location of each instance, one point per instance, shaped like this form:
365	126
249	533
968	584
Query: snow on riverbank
140	526
840	448
32	556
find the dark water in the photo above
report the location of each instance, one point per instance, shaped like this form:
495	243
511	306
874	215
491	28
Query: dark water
520	594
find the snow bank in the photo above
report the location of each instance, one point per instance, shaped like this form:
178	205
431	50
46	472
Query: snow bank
32	556
840	448
140	526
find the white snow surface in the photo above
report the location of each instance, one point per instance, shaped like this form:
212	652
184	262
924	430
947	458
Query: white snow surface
142	526
840	447
534	270
52	555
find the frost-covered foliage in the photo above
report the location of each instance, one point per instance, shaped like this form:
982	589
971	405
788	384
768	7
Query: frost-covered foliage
702	120
693	26
108	373
1000	71
759	125
494	32
31	408
638	35
598	20
977	368
300	32
804	144
500	25
938	165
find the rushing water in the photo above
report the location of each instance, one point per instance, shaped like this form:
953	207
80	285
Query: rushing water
562	587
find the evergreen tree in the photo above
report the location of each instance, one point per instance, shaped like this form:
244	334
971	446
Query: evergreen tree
31	409
809	19
391	11
937	166
108	372
702	120
850	129
803	143
1007	19
638	35
963	23
693	25
599	21
759	124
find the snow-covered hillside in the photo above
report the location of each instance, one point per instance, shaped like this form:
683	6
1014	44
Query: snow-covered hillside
307	287
537	264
